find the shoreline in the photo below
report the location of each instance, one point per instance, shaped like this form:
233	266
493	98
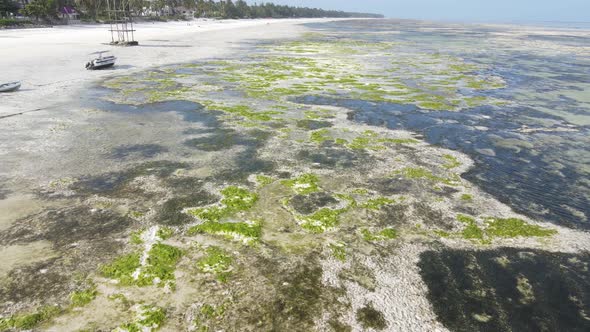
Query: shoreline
50	61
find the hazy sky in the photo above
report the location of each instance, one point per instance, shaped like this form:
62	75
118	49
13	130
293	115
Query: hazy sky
467	10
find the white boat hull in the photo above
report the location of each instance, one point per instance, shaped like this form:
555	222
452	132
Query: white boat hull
101	63
8	87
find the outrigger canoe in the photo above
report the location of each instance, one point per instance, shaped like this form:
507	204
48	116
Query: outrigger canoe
9	87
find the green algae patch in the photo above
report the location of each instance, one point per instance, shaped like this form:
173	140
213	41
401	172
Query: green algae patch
467	197
318	114
399	140
477	83
328	67
376	203
451	162
304	184
238	199
422	173
136	214
155	95
321	221
136	237
443	234
370	140
500	228
210	311
209	214
30	321
217	262
235	199
349	198
383	235
338	250
245	111
388	233
245	232
150	87
307	124
165	233
158	269
475	101
122	269
340	141
471	231
434	105
83	297
360	191
160	265
418	173
513	227
263	180
149	318
367	235
361	142
320	136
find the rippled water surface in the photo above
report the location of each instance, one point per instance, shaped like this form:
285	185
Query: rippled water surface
533	152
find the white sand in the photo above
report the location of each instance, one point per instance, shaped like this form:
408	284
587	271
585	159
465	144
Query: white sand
50	62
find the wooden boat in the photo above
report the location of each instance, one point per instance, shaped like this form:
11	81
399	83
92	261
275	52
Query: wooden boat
8	87
101	62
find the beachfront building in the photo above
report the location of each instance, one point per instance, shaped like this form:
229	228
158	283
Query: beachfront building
69	14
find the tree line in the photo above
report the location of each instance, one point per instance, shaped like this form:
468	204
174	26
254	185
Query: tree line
8	6
227	9
240	9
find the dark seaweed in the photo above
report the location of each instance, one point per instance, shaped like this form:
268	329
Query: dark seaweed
171	211
462	284
137	151
369	317
112	182
335	157
307	204
66	226
313	124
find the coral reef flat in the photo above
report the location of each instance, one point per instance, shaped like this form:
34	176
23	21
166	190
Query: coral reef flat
348	175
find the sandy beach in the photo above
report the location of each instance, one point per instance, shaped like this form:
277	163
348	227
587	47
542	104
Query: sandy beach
50	61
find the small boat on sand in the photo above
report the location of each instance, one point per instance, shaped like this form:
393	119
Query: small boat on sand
101	62
9	87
